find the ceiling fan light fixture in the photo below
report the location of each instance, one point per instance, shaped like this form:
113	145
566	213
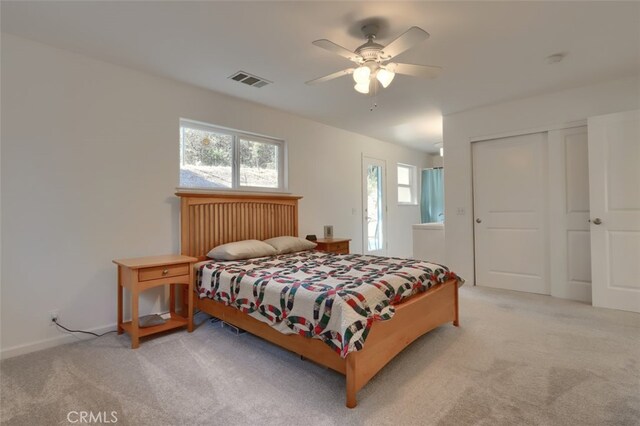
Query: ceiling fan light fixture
385	77
372	70
362	87
361	75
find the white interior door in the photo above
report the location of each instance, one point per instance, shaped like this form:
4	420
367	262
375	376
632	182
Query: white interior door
614	180
510	208
374	206
570	243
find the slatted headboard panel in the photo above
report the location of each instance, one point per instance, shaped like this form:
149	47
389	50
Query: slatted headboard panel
208	220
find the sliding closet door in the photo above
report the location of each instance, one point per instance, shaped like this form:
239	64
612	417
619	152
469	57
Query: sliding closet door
614	180
570	243
510	208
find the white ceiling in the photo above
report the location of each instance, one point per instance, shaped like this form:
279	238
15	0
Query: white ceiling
490	51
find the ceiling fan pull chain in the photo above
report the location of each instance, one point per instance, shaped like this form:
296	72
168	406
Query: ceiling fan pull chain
374	97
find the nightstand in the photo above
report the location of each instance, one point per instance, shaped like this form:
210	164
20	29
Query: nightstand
333	245
142	273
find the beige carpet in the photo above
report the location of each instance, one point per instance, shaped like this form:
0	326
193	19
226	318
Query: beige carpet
517	359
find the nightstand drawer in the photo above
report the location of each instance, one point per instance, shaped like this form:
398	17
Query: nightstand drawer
148	274
341	248
333	245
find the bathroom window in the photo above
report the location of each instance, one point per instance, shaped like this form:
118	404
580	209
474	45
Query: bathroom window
432	197
407	185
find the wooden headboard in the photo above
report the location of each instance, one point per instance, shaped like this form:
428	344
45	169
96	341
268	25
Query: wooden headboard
208	220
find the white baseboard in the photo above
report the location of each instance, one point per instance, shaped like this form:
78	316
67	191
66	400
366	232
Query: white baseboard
51	342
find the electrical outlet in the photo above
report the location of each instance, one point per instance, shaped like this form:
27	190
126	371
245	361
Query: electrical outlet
461	211
53	316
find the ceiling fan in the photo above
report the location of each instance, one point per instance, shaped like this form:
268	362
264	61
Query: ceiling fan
372	59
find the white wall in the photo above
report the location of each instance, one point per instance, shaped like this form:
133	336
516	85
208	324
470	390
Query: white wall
521	115
435	160
89	170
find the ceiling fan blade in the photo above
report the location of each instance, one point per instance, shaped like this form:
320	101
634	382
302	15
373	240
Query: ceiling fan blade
338	50
424	71
408	39
331	76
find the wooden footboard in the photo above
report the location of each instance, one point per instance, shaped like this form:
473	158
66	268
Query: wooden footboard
386	339
413	318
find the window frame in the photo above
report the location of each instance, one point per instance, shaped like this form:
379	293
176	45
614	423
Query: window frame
413	184
236	135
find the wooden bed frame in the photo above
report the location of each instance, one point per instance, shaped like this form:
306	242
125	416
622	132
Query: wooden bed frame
208	220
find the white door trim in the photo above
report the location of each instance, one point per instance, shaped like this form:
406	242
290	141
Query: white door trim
541	129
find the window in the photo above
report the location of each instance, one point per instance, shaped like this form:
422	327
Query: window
217	158
407	184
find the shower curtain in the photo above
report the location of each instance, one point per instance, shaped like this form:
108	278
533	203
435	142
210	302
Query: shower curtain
432	197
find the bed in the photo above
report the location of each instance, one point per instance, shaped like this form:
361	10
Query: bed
208	220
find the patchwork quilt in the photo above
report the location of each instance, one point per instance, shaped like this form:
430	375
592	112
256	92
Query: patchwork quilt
331	297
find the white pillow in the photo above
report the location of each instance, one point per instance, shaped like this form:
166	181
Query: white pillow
290	244
247	249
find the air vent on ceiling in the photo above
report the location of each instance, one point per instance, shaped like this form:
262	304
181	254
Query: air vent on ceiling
249	79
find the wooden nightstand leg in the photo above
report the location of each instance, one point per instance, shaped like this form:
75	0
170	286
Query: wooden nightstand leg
172	298
135	337
120	291
184	302
190	302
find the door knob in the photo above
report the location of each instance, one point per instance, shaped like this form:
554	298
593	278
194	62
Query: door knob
478	220
597	221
